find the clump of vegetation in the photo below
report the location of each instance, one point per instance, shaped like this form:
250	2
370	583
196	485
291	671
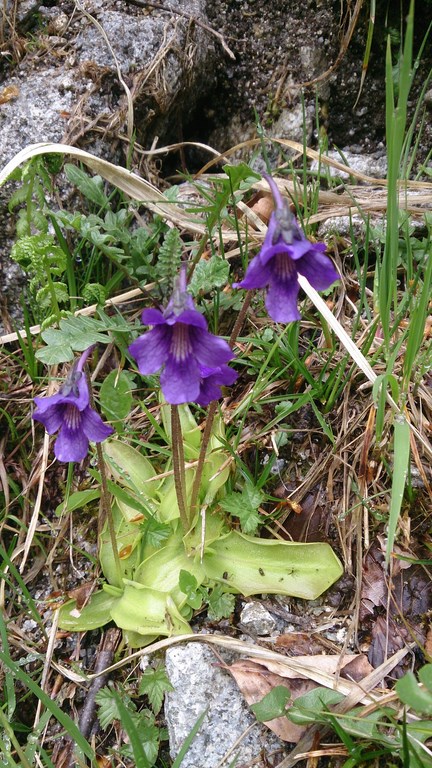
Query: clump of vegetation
189	441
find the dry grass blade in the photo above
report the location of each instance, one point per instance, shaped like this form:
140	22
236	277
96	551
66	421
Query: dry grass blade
35	514
86	311
137	188
354	351
355	692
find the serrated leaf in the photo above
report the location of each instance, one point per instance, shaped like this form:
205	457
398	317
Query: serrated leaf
154	684
115	396
108	708
149	736
90	187
156	533
220	604
244	505
272	705
209	275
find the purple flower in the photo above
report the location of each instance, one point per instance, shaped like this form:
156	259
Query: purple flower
285	253
69	413
193	360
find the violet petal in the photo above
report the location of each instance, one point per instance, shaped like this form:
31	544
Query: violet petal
151	349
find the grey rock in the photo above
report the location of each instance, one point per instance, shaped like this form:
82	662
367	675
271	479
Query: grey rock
200	684
36	113
374	165
256	619
343	226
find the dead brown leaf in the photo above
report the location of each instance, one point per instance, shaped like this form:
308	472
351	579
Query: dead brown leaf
393	605
299	644
255	682
256	679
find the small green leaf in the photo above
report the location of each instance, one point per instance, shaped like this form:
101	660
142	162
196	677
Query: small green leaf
77	500
129	723
425	676
156	533
149	736
313	706
154	684
189	585
108	709
220	603
244	506
90	187
116	396
240	173
209	275
272	705
187	581
410	693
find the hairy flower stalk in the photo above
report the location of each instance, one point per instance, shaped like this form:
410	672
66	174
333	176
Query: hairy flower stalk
193	364
69	412
211	414
285	254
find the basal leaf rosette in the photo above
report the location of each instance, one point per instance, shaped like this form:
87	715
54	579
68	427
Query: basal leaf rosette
149	602
248	565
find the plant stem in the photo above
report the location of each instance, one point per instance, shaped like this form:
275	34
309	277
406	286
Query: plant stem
201	458
107	513
179	467
212	412
105	498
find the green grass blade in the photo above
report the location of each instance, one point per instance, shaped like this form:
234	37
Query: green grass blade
9	687
64	719
189	739
400	470
131	730
417	325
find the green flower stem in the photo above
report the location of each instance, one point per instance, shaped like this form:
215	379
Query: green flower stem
179	467
212	412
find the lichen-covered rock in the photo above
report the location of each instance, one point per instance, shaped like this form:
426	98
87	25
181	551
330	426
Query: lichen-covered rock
200	684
